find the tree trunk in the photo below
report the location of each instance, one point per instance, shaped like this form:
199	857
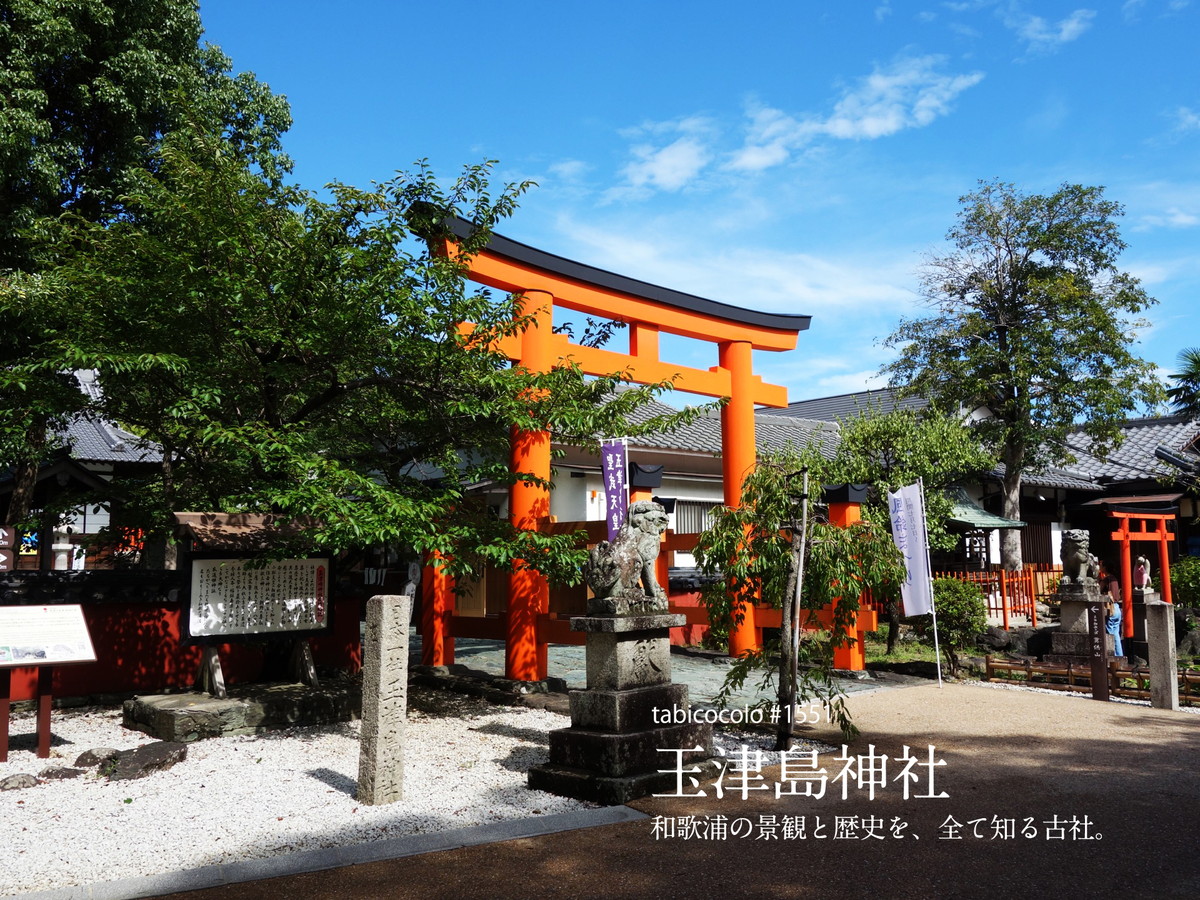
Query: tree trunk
1010	538
893	614
25	477
787	685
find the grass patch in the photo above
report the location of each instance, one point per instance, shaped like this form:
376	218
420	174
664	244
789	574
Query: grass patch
908	648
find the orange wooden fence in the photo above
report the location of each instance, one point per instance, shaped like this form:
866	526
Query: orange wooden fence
1011	594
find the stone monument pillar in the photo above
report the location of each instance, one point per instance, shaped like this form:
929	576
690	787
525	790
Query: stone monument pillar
630	710
1160	636
384	700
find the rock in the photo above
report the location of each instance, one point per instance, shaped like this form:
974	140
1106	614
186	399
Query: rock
996	638
18	782
59	773
96	757
1190	644
1039	641
147	760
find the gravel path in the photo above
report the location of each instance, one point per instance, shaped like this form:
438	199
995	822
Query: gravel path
249	797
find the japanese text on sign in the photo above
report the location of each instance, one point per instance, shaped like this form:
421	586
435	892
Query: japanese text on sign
228	598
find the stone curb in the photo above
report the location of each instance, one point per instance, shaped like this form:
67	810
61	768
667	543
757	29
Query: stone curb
336	857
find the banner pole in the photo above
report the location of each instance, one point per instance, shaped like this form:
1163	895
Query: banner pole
937	651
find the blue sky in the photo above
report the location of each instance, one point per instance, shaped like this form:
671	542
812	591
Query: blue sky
799	157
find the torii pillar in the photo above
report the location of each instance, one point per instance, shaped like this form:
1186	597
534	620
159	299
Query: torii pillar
525	658
740	455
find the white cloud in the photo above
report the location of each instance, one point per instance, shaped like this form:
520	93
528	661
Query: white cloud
883	10
1042	35
1164	204
750	277
1131	8
909	93
668	168
1187	119
1172	217
569	169
849	383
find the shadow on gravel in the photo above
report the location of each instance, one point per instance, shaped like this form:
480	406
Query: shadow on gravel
341	783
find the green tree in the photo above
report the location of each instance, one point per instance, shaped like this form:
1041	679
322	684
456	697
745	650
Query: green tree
755	546
1030	321
961	617
90	87
888	449
1185	395
306	358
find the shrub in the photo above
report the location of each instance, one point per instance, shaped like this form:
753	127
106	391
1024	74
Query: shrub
1185	581
961	616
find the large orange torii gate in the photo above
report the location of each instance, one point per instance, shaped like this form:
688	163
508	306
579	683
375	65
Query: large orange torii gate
544	281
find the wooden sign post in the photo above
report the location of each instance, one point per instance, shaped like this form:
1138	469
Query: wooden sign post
1098	650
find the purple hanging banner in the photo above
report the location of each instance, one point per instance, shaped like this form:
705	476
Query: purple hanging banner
614	459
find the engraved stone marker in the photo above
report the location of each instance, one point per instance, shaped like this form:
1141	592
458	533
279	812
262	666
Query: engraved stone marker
384	700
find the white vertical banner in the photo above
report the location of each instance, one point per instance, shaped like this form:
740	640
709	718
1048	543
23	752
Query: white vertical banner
907	509
615	468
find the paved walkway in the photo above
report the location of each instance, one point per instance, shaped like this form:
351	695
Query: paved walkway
703	673
1046	795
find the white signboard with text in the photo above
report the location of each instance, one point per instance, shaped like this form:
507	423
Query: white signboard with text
230	598
44	635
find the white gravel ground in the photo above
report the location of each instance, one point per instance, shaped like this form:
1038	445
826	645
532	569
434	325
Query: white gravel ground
246	797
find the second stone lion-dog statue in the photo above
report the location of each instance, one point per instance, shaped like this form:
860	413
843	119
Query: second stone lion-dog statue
621	573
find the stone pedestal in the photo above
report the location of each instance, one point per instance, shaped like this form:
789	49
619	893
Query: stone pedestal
1071	644
1138	645
629	712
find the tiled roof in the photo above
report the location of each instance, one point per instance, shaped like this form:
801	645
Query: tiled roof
704	434
1053	478
1134	460
844	406
966	511
94	440
91	440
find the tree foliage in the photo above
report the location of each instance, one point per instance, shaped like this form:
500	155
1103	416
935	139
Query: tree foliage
886	450
1030	320
754	546
1185	581
889	449
91	87
1185	395
307	358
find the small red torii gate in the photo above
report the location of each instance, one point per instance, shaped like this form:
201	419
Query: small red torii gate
1125	536
544	281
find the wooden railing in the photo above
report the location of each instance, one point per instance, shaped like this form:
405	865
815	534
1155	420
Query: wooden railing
1124	681
1011	594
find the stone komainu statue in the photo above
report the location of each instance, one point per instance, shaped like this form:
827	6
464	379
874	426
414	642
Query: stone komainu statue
1079	565
621	573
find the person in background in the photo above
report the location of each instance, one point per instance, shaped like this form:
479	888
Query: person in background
1110	588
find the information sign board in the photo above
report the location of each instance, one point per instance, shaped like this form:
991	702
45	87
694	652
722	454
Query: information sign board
230	598
44	635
